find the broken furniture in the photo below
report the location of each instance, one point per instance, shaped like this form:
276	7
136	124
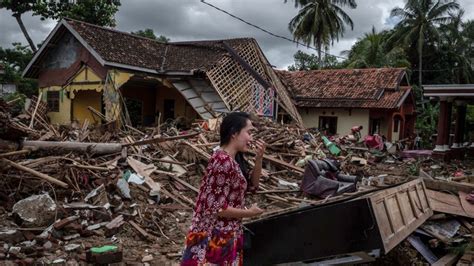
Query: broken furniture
372	223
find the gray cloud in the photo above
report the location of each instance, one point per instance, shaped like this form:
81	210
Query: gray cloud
192	20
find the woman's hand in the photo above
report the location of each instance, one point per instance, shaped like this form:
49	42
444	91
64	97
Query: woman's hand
259	148
255	210
238	213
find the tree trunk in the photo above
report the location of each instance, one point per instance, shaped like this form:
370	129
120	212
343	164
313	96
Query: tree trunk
320	63
420	75
68	146
23	29
420	67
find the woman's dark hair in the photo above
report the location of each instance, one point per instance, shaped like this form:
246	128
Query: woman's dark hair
233	123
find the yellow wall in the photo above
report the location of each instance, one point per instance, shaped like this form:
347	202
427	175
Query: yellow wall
345	119
81	101
64	115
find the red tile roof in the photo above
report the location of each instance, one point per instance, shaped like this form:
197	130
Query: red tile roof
128	49
346	88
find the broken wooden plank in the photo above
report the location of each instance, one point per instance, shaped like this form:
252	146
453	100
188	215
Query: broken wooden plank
145	171
36	173
141	230
14	153
161	139
447	203
441	185
283	163
38	101
447	260
199	151
467	207
186	184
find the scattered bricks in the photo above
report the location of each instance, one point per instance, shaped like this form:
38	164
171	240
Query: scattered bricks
71	247
74	227
147	258
29	235
70	237
104	255
114	225
96	226
62	223
48	245
11	236
35	211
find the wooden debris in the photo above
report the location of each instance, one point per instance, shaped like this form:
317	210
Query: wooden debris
36	173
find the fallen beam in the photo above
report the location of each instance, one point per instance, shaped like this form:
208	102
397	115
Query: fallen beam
95	148
161	139
36	173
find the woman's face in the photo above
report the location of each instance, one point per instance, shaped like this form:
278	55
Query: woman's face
243	139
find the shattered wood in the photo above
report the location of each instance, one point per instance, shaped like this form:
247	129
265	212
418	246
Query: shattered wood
162	175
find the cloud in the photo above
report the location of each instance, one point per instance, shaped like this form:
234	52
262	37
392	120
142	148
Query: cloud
183	20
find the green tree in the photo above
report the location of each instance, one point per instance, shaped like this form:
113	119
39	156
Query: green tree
371	51
418	24
455	49
15	60
98	12
304	61
149	33
18	8
321	22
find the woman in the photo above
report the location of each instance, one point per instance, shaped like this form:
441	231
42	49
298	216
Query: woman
215	235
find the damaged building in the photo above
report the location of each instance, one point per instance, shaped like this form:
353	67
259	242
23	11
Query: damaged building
87	72
379	99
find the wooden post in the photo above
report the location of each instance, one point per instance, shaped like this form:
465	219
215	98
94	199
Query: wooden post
38	100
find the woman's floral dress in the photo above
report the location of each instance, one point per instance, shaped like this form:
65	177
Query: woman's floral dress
212	239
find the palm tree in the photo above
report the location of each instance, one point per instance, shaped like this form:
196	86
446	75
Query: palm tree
419	21
320	22
456	46
371	51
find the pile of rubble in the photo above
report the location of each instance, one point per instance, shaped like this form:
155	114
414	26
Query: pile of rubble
106	194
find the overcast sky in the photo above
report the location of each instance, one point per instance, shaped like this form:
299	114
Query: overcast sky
182	20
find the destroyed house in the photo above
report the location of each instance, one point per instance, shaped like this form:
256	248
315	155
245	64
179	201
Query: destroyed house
87	72
381	100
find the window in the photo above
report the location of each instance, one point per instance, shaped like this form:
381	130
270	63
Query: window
53	101
375	126
396	123
328	124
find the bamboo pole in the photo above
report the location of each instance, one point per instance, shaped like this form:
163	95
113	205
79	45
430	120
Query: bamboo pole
36	173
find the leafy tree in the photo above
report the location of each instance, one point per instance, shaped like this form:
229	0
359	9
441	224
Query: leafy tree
418	24
304	61
15	60
149	33
371	51
321	22
98	12
18	8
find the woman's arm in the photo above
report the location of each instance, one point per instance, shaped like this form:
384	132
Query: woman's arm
231	212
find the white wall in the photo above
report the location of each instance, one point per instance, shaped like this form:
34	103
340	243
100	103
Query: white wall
345	119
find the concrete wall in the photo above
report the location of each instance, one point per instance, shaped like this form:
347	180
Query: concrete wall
81	101
346	118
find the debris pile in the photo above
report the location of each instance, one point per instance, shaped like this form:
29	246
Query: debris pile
105	194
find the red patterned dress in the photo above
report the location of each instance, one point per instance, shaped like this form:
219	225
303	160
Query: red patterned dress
212	239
